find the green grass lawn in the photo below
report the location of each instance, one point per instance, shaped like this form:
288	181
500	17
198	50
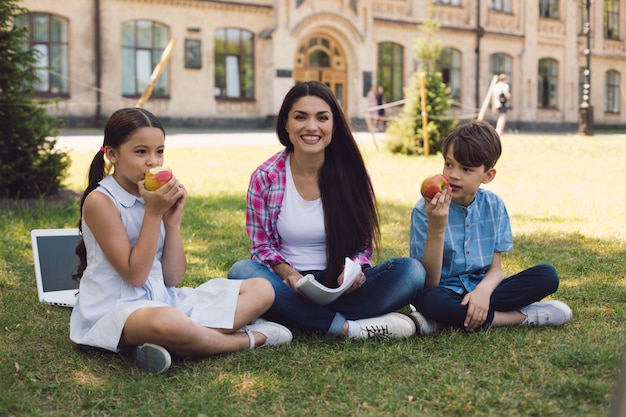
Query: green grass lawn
567	205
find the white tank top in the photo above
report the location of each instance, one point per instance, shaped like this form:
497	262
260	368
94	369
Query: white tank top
301	228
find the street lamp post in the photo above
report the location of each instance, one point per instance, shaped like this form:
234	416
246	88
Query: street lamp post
585	112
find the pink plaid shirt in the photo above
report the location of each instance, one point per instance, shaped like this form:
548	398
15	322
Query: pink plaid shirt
263	204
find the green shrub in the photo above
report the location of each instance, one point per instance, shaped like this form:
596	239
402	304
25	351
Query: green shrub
405	133
29	165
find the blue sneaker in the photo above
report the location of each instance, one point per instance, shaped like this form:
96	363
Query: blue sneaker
153	358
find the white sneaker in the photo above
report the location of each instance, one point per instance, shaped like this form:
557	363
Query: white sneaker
275	334
153	358
424	326
389	325
547	313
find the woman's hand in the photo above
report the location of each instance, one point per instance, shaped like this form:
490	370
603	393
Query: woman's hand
360	279
291	277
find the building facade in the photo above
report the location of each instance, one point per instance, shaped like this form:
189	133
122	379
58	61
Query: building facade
232	62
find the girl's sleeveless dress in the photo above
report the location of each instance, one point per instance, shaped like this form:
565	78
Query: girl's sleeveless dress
105	300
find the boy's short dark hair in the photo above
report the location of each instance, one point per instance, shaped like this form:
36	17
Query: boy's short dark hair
476	143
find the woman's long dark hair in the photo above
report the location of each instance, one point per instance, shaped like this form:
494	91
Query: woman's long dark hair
118	129
350	214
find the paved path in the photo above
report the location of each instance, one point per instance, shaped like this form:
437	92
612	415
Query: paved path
92	141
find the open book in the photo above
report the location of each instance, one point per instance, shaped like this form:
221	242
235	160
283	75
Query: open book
321	294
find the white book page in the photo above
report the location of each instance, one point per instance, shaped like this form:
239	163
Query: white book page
321	294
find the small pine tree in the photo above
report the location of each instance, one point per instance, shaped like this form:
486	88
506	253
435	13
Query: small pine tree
29	165
405	133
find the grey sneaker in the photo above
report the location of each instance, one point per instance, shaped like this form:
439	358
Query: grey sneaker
275	334
424	326
547	313
396	325
153	358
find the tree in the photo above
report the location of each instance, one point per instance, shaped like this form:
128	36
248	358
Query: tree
29	164
405	133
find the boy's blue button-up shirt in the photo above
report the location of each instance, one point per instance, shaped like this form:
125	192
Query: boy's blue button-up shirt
472	235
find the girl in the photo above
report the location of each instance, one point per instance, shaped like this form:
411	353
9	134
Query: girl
132	259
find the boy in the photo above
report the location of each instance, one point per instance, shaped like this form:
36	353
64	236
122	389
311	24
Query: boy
459	236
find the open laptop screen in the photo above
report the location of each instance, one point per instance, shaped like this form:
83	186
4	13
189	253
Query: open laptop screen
55	260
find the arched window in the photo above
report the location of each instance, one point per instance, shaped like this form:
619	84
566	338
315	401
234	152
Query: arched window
500	5
234	63
48	36
390	70
611	19
612	93
547	83
143	43
449	64
549	9
500	64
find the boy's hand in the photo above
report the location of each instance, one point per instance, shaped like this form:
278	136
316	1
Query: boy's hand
437	209
478	307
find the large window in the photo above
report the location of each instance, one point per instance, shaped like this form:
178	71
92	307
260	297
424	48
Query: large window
549	8
449	64
547	83
390	70
48	36
500	5
143	43
612	92
234	63
611	19
583	15
500	64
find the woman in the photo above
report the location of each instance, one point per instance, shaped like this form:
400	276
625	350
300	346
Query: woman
308	208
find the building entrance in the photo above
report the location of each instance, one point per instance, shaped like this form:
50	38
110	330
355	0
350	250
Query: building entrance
320	58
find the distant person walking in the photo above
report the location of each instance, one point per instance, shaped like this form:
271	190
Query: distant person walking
500	102
371	103
380	100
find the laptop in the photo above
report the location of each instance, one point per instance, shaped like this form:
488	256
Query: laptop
55	261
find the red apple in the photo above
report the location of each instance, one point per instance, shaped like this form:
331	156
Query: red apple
156	177
433	185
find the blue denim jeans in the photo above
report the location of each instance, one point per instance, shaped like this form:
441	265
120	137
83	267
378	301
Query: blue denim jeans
533	284
388	286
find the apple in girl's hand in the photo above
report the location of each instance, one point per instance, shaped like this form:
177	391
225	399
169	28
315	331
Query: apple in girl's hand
433	185
156	177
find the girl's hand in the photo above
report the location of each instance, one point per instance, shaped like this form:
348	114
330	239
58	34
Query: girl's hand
162	200
174	216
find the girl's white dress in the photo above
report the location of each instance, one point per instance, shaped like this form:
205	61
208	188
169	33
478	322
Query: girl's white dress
105	300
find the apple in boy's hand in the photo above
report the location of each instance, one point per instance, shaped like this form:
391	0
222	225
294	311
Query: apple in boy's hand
156	177
433	185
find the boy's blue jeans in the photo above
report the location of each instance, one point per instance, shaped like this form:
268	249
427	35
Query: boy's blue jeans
389	286
444	305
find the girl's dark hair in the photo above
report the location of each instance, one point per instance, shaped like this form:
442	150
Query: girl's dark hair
120	126
350	213
476	144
